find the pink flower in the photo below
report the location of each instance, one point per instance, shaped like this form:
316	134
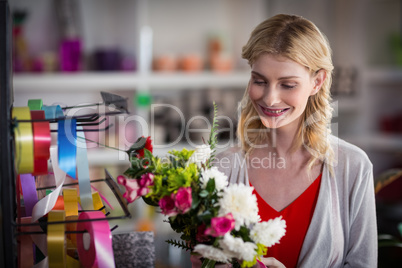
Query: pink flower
131	186
145	181
167	205
183	199
221	225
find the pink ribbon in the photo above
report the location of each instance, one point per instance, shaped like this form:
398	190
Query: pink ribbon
100	251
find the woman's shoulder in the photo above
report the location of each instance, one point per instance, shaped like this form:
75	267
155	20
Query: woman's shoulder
229	157
232	163
349	155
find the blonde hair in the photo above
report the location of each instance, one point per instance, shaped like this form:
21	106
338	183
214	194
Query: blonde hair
301	41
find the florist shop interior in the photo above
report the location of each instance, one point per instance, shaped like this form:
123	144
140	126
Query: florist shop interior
110	72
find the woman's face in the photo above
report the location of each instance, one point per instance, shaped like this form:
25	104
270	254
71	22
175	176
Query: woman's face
279	89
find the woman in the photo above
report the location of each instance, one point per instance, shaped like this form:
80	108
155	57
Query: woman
321	185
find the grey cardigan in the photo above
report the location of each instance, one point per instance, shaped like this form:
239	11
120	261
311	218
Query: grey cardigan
343	230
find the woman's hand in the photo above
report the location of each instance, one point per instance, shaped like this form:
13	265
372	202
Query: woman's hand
272	263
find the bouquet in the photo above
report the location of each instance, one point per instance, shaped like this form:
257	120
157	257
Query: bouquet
220	222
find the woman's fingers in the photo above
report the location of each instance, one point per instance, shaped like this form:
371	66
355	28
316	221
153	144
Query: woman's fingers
272	263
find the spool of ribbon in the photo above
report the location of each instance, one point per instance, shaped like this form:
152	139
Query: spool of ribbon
24	156
98	204
66	140
46	204
29	192
70	201
83	171
41	140
56	239
53	112
99	252
35	104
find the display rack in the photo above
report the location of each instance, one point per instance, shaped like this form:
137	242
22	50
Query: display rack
7	173
12	229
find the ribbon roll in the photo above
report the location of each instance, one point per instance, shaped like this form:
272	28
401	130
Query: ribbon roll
98	204
35	104
29	192
56	239
53	112
24	156
99	252
83	171
70	202
47	203
41	140
66	140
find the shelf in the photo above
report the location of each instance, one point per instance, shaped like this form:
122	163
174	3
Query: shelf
110	81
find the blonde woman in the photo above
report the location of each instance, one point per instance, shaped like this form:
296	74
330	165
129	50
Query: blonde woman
321	185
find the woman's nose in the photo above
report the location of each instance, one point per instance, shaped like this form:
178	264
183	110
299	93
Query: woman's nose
271	96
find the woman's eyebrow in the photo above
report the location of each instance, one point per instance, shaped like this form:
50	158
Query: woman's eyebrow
280	78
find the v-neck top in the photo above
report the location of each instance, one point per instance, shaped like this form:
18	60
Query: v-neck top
298	216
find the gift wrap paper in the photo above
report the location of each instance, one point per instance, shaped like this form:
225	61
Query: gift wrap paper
135	249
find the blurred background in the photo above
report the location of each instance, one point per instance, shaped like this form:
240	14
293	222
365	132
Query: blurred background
173	59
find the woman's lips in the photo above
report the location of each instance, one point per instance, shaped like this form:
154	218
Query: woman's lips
273	112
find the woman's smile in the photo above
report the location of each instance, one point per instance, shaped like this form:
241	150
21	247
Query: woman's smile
275	112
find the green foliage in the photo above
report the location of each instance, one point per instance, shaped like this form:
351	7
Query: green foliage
213	140
138	145
208	263
179	244
183	154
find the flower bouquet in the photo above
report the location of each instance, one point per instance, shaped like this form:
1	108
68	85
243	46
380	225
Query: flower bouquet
220	222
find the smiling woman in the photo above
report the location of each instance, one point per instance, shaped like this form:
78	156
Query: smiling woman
323	188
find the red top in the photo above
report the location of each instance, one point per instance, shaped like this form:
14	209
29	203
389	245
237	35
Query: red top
298	217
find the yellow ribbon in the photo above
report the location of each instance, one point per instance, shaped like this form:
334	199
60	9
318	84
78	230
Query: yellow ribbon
56	240
70	202
24	157
97	202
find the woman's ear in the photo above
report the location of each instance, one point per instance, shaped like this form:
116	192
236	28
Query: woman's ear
318	80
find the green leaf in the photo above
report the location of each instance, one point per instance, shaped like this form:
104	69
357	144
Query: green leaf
203	193
213	136
150	201
207	263
148	154
210	185
138	145
179	244
206	216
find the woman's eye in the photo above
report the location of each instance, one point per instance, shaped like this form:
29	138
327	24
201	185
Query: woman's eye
288	86
259	82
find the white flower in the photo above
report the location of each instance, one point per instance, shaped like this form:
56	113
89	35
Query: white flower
269	232
211	253
236	247
201	155
221	180
239	200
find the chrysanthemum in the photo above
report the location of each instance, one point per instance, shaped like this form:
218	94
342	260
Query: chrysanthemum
212	253
269	232
221	180
236	247
201	155
239	200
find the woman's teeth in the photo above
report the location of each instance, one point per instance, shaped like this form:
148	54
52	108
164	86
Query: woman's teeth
276	111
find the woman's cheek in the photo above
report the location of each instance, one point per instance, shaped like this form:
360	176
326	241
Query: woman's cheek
255	93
